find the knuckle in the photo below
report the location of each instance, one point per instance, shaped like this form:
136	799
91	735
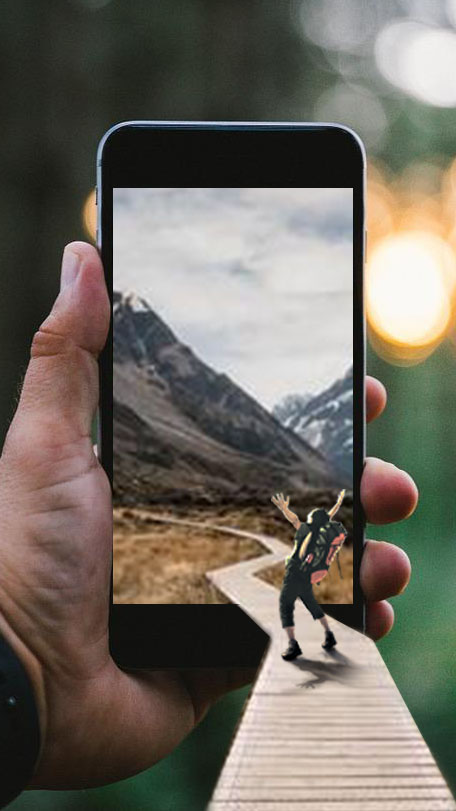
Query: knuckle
46	342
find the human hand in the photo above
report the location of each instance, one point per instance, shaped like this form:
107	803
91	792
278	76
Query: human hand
98	723
280	501
388	494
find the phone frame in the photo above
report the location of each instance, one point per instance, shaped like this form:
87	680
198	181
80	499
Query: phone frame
225	154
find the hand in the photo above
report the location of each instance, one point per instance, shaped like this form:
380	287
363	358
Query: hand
280	502
100	724
388	494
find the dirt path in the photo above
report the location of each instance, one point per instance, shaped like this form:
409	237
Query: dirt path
273	544
163	559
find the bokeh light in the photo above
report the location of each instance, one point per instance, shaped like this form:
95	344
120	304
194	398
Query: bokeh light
89	216
449	201
420	60
410	285
348	102
428	11
343	26
380	210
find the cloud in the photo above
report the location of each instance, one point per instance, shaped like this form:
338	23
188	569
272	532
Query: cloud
257	281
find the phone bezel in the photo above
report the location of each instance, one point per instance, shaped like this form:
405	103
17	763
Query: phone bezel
225	154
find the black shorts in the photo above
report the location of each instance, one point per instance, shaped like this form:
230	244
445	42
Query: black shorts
297	584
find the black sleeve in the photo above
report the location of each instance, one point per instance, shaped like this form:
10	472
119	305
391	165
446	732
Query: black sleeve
19	726
302	531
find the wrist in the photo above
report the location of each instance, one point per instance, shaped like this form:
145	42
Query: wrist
34	673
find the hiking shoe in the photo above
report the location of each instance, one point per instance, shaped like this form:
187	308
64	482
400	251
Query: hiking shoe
292	651
330	641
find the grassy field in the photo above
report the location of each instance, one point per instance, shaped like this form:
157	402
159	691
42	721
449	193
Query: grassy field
161	563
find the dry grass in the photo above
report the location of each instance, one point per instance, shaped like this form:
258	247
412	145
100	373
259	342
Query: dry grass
165	563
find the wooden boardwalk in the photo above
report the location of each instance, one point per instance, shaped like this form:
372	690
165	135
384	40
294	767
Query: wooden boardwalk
329	731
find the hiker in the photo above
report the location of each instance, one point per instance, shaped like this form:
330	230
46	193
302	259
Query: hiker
299	576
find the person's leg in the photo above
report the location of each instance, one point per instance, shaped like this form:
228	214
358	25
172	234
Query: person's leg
287	600
307	596
286	605
330	639
325	623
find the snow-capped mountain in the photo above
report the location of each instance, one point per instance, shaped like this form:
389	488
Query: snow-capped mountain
184	430
324	420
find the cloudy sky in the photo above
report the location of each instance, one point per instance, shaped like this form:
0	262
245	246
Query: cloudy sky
257	281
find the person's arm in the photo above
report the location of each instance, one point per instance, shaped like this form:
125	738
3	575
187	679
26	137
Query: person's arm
339	501
304	545
282	503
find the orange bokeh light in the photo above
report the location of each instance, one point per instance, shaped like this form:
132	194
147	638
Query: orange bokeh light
89	216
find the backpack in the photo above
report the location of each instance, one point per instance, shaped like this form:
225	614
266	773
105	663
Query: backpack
323	549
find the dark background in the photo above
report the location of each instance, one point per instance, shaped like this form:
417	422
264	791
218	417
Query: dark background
72	68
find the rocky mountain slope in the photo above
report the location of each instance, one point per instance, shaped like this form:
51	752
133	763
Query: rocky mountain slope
184	432
325	421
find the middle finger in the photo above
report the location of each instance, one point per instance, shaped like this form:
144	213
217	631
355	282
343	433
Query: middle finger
387	493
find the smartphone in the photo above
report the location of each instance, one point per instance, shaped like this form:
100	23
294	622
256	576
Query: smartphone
233	372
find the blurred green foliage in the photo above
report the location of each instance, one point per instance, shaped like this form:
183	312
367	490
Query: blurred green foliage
72	68
417	433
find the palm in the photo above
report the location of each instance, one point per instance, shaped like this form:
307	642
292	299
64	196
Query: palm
136	718
56	529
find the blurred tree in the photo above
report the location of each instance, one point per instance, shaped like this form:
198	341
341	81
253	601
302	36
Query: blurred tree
72	68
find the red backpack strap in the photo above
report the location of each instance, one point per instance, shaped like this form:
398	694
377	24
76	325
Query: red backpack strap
336	543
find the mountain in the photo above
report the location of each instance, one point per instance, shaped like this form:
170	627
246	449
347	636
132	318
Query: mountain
184	432
325	421
290	404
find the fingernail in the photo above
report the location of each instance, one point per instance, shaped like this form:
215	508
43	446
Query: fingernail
71	262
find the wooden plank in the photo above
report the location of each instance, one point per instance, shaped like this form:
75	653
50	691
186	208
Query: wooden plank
272	781
355	792
425	804
316	769
325	732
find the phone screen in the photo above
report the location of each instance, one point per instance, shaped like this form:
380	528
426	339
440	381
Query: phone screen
233	390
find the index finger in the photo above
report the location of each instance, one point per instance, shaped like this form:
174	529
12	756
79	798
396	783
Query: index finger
375	398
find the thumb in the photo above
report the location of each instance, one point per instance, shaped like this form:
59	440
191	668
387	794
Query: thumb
60	389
